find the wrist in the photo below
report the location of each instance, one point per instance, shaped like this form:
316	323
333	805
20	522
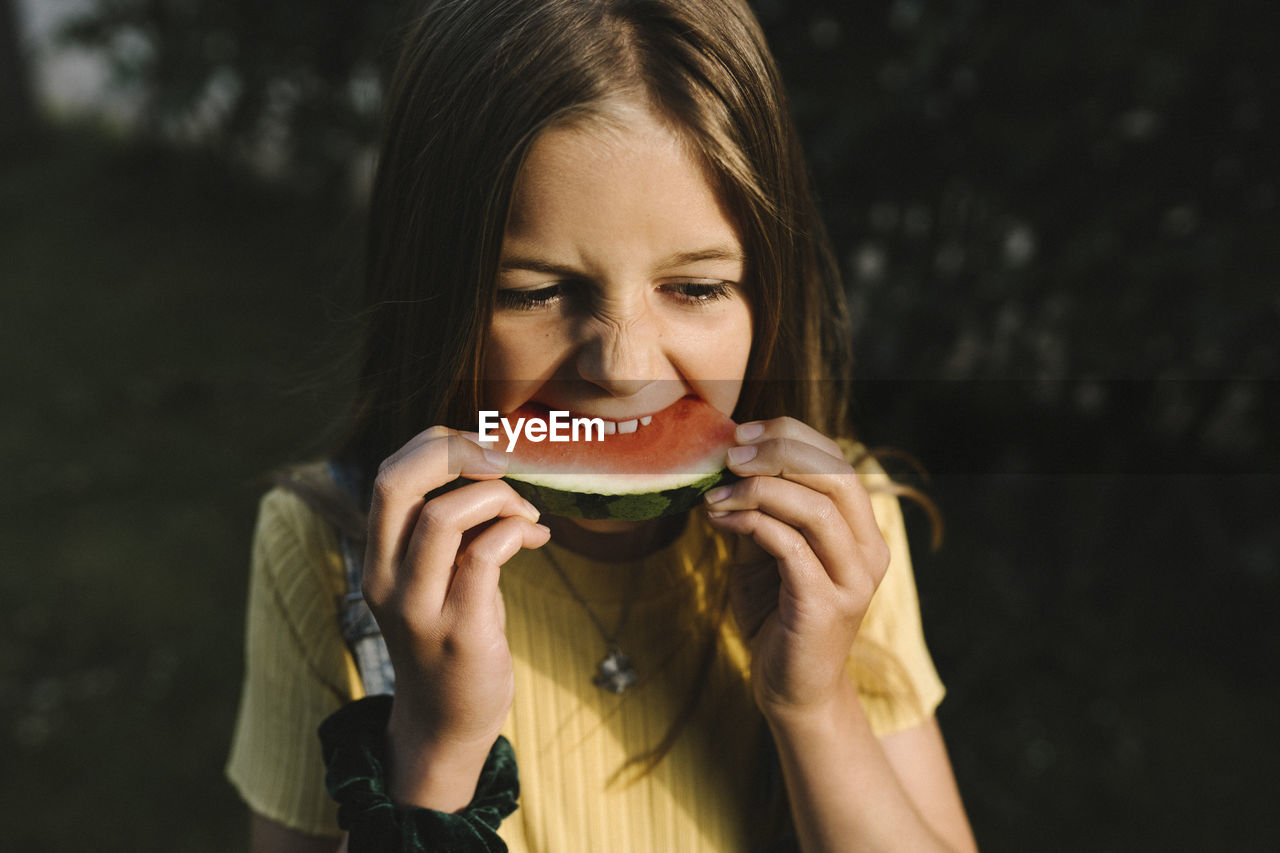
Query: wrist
431	773
354	743
822	717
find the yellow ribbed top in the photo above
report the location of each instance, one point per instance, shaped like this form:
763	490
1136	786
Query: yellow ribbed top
572	740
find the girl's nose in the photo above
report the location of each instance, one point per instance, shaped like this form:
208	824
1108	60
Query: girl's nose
620	357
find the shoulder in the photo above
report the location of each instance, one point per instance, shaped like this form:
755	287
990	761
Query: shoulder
297	579
863	461
295	547
286	521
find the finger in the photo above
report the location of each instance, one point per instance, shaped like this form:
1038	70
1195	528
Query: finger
805	464
436	433
813	514
802	576
459	453
474	588
411	446
432	459
433	549
753	432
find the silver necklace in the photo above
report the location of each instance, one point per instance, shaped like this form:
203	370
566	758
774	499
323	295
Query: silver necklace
615	672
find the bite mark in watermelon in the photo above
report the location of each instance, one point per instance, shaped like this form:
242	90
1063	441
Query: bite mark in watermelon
661	468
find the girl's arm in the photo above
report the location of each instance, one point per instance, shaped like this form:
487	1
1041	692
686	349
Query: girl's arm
431	580
814	557
852	791
918	756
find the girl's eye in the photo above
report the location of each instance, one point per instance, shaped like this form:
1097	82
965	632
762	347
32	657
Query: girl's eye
700	292
528	300
687	292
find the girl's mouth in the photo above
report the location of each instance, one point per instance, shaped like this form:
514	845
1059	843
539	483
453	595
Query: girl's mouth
612	426
627	426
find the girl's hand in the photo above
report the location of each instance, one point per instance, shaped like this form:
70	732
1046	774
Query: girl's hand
810	559
431	580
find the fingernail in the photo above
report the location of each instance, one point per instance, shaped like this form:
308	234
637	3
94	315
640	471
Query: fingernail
532	509
750	431
544	527
496	458
738	455
471	436
717	513
718	494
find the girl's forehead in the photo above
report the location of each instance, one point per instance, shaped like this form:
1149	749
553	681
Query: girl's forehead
626	170
625	133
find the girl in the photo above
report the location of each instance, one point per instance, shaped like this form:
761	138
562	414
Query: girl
598	206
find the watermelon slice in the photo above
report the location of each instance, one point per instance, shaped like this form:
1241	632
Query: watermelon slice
647	468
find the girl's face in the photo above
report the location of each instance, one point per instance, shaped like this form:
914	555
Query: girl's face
621	286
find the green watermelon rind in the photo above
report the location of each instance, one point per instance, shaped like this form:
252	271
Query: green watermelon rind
634	506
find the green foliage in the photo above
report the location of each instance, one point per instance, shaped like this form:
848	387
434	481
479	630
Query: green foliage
291	88
1053	210
1061	197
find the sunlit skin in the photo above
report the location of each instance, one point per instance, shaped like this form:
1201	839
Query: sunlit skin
622	288
621	282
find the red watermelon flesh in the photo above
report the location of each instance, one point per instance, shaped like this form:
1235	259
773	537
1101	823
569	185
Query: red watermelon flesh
659	469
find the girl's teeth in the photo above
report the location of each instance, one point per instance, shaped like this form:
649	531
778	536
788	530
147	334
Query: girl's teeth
610	427
646	420
625	427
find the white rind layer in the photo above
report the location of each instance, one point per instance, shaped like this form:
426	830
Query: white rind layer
621	484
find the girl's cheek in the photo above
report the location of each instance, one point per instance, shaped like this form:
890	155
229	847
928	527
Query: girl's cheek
507	353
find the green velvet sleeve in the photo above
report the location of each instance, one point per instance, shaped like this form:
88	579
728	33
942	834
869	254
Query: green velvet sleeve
354	748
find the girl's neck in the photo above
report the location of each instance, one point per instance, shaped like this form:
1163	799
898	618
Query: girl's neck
613	541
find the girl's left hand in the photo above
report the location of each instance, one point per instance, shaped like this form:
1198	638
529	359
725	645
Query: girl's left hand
818	556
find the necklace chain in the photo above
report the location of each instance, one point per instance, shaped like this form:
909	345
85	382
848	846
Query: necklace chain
615	672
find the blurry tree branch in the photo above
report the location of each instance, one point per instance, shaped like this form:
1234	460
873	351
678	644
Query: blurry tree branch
290	88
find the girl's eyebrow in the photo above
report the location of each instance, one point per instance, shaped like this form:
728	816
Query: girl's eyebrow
713	253
679	259
536	265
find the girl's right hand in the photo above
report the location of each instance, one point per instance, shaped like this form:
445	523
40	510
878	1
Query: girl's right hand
431	580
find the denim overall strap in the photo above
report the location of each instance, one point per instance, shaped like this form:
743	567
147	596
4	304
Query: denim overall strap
359	628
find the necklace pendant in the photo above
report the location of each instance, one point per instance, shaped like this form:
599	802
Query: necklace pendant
614	672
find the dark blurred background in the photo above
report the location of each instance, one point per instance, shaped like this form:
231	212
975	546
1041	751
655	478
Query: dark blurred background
1059	224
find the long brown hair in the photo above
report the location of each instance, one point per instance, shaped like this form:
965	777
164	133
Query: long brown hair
476	84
